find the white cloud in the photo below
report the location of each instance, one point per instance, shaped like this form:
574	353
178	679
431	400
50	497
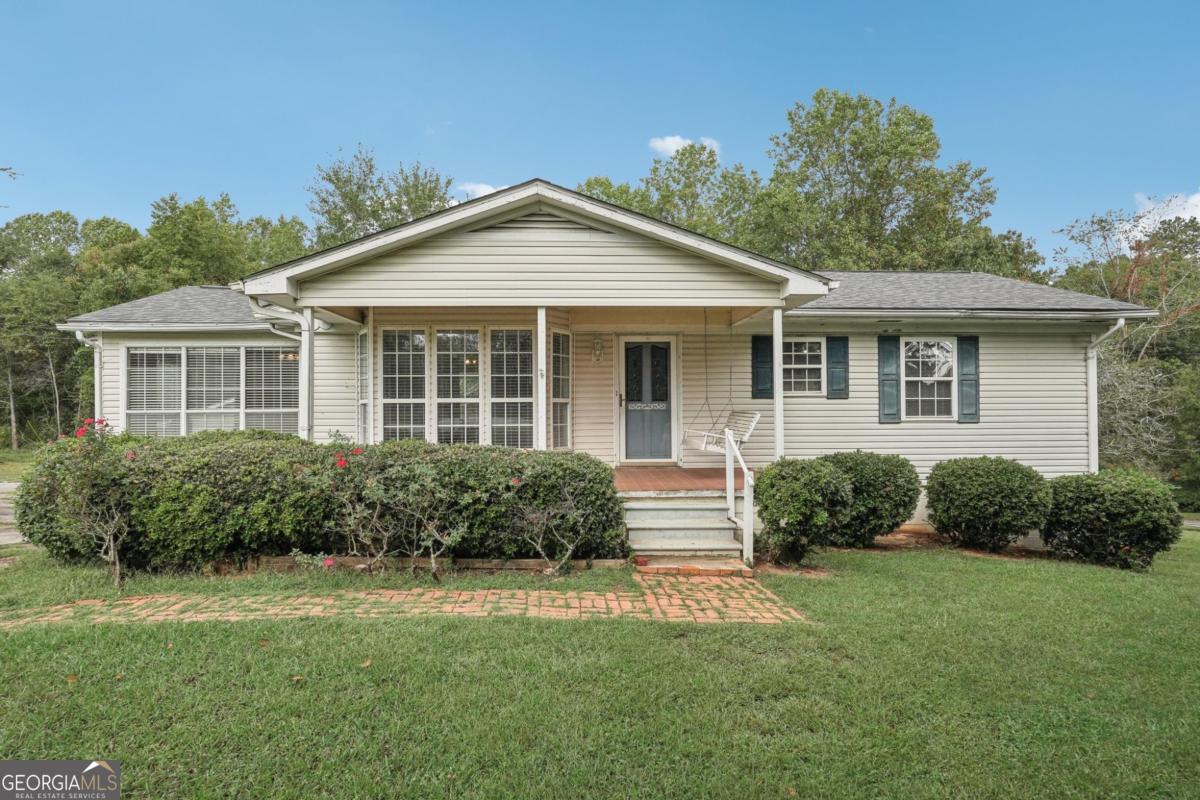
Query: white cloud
473	190
667	146
1175	205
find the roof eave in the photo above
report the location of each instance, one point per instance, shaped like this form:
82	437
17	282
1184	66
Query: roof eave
966	313
162	327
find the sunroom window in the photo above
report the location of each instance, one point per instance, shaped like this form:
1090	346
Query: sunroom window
214	388
560	390
273	389
404	384
928	378
457	386
511	365
153	393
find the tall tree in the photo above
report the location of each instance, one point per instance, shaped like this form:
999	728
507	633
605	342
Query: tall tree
352	197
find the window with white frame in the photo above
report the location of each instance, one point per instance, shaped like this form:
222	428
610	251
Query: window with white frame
174	390
511	369
928	378
272	379
560	390
362	384
457	358
153	395
803	365
403	355
214	389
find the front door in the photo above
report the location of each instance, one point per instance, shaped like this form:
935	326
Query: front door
647	400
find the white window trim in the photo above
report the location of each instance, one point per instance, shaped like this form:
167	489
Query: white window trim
569	400
487	390
824	366
953	342
430	384
482	398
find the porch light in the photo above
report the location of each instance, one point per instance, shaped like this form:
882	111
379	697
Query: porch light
597	349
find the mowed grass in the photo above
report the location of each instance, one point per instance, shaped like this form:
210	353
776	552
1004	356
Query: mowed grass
13	464
922	674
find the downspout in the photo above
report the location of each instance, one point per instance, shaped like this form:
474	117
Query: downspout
97	371
308	326
1093	395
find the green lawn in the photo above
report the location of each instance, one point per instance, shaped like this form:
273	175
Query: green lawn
13	464
923	674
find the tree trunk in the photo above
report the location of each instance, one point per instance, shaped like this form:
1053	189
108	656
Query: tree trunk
57	403
14	440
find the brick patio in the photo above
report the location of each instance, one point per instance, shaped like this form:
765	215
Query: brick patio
704	599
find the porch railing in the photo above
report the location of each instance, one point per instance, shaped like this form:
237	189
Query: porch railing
733	458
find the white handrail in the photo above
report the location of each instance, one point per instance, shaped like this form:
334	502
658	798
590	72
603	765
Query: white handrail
746	521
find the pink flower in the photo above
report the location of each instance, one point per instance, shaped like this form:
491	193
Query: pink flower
88	421
102	421
341	464
80	432
358	451
328	562
516	481
130	455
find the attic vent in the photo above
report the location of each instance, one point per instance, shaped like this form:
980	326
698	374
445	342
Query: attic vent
540	220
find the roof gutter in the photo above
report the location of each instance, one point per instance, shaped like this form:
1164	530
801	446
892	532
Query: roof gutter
885	313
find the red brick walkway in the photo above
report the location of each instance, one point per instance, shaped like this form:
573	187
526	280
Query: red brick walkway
664	597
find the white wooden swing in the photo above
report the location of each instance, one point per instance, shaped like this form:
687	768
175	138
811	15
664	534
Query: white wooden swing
738	425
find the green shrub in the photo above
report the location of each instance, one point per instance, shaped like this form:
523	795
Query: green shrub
799	503
986	502
1187	498
1118	518
44	514
885	488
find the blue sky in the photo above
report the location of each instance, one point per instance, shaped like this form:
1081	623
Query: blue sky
1073	108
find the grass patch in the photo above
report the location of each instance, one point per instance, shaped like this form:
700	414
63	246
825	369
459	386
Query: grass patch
926	674
13	464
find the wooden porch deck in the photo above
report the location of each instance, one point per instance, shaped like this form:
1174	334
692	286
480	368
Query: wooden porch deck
673	478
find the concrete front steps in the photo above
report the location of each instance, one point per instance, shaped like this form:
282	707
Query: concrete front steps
680	524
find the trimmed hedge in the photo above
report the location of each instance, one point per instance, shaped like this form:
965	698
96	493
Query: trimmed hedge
192	500
885	488
799	503
1117	518
986	502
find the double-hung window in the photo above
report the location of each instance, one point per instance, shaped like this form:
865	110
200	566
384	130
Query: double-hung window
457	386
362	384
560	390
174	390
153	391
928	378
803	365
511	368
404	354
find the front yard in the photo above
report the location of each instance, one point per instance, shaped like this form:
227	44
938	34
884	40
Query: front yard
926	673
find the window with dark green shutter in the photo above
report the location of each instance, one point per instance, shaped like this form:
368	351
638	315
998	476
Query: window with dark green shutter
762	378
889	379
968	379
837	367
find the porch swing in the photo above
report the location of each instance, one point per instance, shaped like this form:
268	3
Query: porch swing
738	424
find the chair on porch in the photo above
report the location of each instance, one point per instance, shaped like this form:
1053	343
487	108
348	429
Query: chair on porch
739	423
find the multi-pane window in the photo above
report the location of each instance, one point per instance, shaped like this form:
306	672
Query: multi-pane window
511	365
803	365
173	390
404	384
153	392
273	388
214	388
457	386
928	378
560	390
362	384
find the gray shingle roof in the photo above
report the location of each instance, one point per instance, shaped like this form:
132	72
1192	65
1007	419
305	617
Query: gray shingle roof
187	305
951	291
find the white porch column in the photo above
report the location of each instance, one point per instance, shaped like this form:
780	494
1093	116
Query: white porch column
539	401
777	374
306	372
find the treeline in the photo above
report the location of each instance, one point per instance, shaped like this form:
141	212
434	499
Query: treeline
855	184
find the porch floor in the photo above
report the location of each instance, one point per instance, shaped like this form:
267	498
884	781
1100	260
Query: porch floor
673	478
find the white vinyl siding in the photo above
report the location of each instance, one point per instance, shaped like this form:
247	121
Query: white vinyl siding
539	263
333	385
404	356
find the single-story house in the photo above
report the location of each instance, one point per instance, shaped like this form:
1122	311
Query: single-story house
537	317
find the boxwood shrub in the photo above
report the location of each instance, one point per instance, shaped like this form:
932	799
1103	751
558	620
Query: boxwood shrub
799	502
193	500
1118	518
885	490
986	502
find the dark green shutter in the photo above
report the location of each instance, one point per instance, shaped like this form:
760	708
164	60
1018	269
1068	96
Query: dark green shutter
762	377
837	367
968	379
889	378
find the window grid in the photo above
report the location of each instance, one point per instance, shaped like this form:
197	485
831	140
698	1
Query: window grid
511	379
404	354
362	367
928	378
803	365
153	390
458	384
560	390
